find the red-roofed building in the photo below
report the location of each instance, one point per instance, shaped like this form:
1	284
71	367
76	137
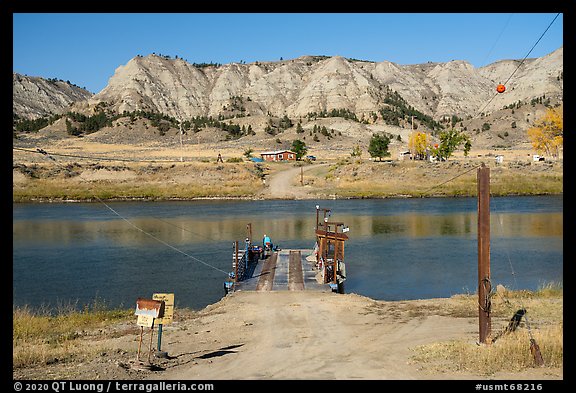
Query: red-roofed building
278	155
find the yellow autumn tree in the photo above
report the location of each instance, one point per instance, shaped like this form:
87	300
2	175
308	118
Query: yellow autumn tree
547	135
417	144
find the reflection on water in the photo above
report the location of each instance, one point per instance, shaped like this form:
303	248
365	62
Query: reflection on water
398	249
190	230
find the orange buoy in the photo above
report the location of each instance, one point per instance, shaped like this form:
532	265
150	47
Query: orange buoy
501	88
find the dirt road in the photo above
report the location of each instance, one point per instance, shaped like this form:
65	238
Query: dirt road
307	335
313	335
286	184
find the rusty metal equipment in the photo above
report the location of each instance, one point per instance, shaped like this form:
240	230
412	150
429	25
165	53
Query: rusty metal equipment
535	349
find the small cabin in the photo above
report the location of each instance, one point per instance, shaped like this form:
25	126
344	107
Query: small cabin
278	155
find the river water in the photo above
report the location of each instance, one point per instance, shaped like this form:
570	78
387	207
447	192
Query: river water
78	253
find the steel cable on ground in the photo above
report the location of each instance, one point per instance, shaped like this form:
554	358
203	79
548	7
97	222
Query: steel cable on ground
505	82
46	154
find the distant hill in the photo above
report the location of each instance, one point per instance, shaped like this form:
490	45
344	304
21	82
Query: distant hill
34	97
318	83
336	100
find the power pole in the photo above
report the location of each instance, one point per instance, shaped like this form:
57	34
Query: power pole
484	283
181	146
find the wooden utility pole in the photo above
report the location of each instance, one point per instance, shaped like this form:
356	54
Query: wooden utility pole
484	283
181	145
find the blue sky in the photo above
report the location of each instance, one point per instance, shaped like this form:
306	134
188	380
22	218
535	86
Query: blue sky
86	48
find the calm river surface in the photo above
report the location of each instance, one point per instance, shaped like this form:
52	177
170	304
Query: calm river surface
75	253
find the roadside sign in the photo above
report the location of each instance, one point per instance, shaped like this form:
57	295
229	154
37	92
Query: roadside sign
168	299
145	321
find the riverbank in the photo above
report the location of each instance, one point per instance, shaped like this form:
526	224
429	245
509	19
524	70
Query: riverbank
312	335
41	181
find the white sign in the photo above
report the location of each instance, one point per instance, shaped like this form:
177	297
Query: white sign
145	321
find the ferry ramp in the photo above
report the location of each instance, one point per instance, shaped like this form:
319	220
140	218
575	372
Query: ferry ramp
284	270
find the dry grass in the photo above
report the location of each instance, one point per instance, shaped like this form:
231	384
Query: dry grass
510	352
546	302
137	181
355	178
527	184
42	338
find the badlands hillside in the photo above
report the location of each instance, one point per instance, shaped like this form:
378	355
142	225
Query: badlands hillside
331	103
315	83
34	97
